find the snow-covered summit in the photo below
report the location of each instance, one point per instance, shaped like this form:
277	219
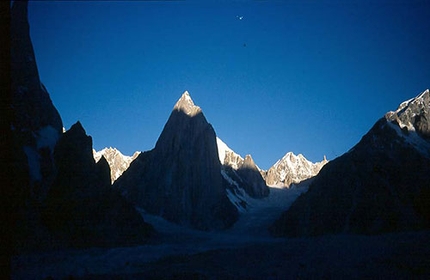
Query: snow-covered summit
292	169
411	121
186	105
118	162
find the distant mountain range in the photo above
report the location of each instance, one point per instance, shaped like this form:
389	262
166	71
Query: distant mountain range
290	169
242	177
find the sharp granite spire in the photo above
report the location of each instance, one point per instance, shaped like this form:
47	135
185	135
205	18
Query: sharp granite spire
180	179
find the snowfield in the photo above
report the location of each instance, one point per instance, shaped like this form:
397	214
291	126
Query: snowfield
244	251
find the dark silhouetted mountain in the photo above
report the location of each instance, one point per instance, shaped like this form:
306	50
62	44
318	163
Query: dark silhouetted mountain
61	197
241	173
33	106
381	185
35	126
180	179
82	209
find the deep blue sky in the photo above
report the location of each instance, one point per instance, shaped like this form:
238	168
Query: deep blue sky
310	77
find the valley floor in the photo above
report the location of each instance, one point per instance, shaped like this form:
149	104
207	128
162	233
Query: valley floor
244	251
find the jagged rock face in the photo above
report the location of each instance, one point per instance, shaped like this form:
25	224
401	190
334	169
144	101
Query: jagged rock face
292	169
241	173
180	179
82	210
118	162
381	185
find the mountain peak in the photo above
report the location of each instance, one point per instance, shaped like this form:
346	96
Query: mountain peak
249	159
77	128
248	162
186	105
180	179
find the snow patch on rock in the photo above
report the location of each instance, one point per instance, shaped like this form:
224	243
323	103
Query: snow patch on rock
47	136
